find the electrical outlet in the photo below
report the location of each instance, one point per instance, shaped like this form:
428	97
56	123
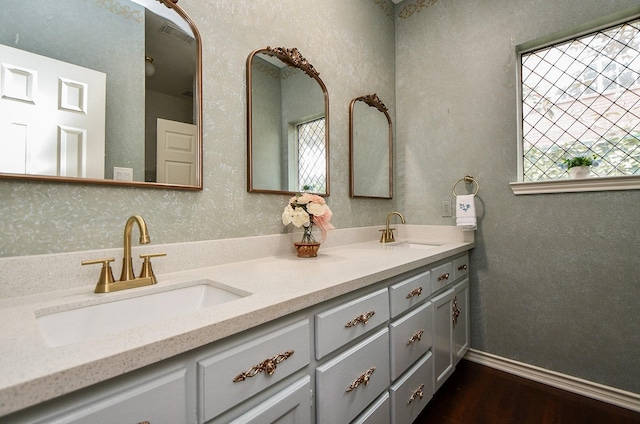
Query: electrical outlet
445	207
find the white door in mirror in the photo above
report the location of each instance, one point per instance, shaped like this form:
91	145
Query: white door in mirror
177	152
65	136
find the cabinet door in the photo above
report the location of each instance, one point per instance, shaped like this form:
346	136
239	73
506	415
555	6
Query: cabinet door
460	319
291	405
442	337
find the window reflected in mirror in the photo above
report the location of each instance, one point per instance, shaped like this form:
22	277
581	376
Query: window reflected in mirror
287	124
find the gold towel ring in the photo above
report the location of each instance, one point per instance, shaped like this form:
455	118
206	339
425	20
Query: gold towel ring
468	179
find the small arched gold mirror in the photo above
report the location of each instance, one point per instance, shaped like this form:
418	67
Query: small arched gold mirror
287	124
370	148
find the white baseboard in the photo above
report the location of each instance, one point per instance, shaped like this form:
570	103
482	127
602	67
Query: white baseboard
586	388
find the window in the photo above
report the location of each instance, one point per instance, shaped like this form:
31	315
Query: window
312	156
582	97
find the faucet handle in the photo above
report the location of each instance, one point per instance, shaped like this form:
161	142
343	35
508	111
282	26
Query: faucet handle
387	236
147	271
106	274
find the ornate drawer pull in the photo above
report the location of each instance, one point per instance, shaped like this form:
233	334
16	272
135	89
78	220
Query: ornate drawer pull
443	277
416	394
414	292
462	267
363	379
364	318
416	337
455	311
269	365
144	422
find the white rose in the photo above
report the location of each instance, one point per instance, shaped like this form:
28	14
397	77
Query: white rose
300	217
287	215
316	209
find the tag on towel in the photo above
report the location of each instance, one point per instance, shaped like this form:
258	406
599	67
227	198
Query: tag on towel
466	212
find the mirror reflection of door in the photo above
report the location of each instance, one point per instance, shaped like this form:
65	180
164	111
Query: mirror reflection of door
177	152
52	116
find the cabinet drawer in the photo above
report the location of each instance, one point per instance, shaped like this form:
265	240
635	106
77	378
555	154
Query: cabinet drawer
412	392
159	399
349	382
460	267
411	337
378	413
441	276
408	293
287	349
342	324
291	405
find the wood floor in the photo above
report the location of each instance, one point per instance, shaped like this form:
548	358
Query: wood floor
476	394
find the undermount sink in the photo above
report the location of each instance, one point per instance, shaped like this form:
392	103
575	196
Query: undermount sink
97	320
416	245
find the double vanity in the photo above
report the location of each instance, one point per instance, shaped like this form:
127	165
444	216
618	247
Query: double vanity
364	332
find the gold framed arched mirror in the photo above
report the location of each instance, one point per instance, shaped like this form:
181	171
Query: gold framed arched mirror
370	148
287	124
104	93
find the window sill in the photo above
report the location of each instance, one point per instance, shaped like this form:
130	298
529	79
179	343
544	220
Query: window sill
578	185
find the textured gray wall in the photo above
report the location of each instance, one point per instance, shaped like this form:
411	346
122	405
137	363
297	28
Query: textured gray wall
351	43
555	277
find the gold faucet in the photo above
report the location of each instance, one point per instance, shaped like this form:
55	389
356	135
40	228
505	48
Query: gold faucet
127	264
128	279
387	233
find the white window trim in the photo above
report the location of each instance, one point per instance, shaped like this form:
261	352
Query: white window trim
627	182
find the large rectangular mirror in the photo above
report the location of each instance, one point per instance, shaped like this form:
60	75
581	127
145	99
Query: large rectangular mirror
287	124
100	92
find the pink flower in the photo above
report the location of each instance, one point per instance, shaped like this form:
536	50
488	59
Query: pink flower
322	221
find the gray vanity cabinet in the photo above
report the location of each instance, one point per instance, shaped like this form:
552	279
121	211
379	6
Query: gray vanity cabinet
375	356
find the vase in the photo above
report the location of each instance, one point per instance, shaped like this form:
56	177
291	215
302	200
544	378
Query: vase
580	172
308	247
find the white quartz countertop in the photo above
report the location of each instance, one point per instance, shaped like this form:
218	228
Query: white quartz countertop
32	372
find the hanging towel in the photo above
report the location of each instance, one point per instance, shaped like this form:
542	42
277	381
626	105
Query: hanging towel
466	212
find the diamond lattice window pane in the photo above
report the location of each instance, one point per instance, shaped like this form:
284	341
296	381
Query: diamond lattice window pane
312	156
582	97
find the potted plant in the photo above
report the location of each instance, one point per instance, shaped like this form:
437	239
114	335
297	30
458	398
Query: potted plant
579	166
